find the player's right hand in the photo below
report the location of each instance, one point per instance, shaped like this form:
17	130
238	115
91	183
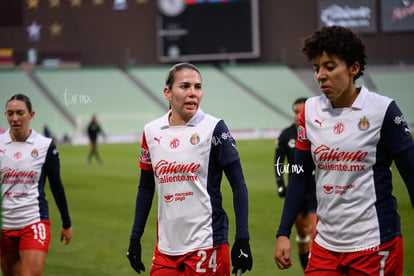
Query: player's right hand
281	190
134	255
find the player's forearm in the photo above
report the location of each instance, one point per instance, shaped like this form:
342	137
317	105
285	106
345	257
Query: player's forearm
240	202
296	193
235	176
143	203
52	168
62	205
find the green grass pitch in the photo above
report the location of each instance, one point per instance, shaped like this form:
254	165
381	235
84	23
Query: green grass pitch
102	198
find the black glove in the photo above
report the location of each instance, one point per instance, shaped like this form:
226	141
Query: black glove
281	190
241	257
134	255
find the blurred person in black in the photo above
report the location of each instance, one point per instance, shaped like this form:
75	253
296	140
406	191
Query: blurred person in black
94	129
46	132
306	220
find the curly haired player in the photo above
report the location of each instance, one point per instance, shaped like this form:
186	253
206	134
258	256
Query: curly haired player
351	136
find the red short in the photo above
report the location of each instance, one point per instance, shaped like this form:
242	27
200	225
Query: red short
32	237
385	259
212	261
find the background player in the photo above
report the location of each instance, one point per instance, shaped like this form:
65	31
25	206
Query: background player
183	155
352	136
94	129
306	220
26	159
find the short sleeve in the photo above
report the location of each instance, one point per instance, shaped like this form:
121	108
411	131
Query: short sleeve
302	141
144	155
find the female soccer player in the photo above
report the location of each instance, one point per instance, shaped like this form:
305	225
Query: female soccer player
351	136
183	156
26	159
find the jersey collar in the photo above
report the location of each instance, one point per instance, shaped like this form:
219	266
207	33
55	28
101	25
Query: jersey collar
195	120
29	139
357	104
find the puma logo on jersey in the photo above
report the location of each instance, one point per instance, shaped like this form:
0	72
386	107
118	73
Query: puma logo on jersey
158	139
319	122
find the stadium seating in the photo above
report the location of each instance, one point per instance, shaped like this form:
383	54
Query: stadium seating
222	97
121	106
276	83
17	81
396	82
152	78
254	97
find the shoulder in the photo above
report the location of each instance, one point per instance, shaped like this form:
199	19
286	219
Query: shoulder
159	122
214	120
3	137
316	101
39	139
372	103
288	130
2	142
201	118
377	99
211	117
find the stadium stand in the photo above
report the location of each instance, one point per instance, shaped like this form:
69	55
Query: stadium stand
277	83
152	78
222	97
17	81
396	82
227	99
249	97
121	107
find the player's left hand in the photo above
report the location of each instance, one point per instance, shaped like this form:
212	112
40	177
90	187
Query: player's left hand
66	235
241	256
282	253
134	255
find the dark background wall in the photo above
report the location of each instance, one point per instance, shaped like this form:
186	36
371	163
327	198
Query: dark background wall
98	35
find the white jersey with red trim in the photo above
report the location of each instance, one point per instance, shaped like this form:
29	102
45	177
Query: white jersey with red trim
190	215
352	155
22	173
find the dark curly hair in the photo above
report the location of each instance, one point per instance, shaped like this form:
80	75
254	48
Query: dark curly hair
339	41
